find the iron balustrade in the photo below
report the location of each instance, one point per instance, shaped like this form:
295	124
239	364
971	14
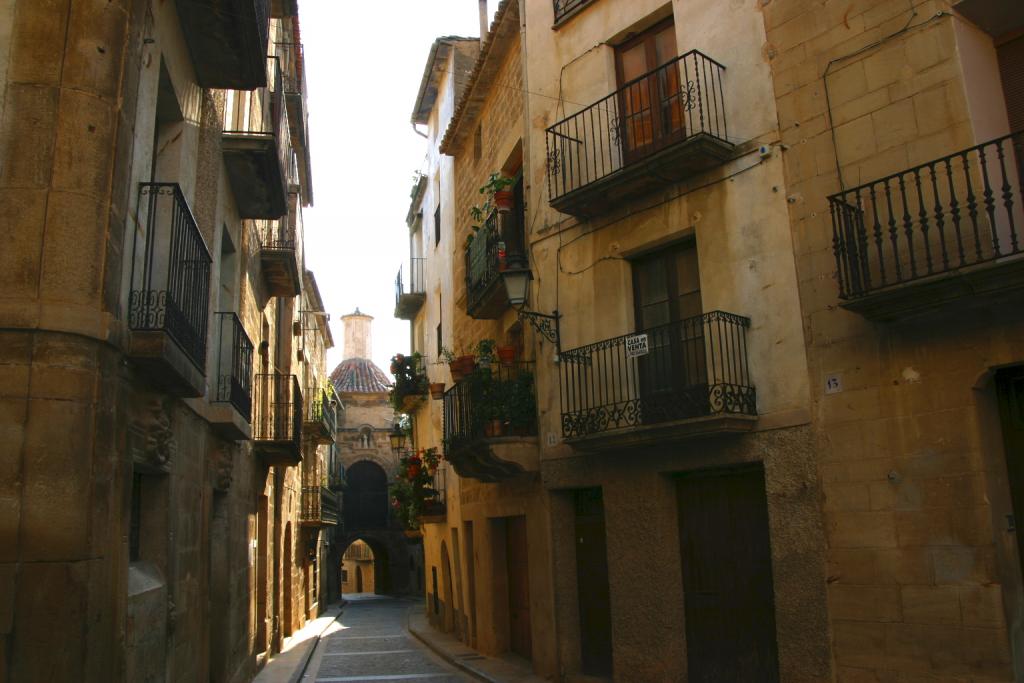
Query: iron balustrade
320	409
563	8
960	210
417	281
234	364
277	408
275	235
692	368
677	101
490	402
170	279
310	504
436	501
259	111
484	261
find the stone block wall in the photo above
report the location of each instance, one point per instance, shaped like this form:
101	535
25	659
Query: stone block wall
920	580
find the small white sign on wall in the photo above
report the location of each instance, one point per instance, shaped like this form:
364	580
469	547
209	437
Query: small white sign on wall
636	345
833	383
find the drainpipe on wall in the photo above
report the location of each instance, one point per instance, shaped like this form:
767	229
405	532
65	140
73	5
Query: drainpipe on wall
483	21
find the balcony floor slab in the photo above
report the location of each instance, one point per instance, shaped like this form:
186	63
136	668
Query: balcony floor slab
664	432
228	423
163	360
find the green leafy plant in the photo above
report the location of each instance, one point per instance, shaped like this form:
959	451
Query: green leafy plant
485	349
410	380
414	485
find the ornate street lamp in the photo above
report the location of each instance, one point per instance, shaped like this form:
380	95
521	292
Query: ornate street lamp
397	439
517	278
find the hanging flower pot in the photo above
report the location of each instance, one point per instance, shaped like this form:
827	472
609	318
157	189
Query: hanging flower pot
462	367
437	390
504	200
411	402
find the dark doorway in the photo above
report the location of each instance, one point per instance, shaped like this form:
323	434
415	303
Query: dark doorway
359	579
592	583
262	548
517	565
673	375
727	576
649	98
1010	392
287	580
366	500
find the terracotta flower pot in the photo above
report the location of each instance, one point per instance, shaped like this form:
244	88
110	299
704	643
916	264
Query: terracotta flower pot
437	390
461	367
504	200
507	355
494	428
411	402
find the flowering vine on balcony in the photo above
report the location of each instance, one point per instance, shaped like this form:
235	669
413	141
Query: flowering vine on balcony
413	490
411	382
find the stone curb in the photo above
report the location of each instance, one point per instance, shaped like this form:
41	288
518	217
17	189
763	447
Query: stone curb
440	652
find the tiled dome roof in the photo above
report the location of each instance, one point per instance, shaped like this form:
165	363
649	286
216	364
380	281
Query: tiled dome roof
359	376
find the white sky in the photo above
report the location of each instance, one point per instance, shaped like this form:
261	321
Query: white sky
364	61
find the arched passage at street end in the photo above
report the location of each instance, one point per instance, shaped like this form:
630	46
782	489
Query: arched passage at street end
366	498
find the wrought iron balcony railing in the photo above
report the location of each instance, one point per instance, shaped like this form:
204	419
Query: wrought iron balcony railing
485	259
687	369
491	402
234	369
320	416
277	409
436	502
319	506
679	103
955	212
170	279
410	294
564	8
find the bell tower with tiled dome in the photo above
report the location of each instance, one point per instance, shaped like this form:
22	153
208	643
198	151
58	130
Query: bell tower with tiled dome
370	465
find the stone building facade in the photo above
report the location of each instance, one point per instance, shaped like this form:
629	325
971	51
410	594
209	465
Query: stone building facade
726	441
913	372
153	298
370	465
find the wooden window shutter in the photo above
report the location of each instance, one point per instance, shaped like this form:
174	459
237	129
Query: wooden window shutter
1011	71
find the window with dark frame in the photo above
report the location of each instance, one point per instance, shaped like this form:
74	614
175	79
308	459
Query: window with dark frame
437	224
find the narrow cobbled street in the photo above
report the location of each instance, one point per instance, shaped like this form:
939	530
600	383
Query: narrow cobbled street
370	642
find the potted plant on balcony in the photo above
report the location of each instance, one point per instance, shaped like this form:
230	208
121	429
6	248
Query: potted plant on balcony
410	386
485	351
437	390
414	485
498	194
507	355
459	365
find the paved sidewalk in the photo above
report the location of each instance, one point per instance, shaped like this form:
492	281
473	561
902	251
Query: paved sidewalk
287	666
505	669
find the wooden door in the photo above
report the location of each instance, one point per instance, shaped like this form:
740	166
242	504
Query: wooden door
517	565
727	577
1010	393
673	375
651	113
592	583
1010	54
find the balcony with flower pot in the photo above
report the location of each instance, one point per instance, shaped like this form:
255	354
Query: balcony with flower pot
490	422
415	495
411	385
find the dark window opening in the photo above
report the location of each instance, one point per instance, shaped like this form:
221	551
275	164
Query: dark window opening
136	519
437	223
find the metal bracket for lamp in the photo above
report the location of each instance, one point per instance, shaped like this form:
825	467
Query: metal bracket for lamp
546	325
517	278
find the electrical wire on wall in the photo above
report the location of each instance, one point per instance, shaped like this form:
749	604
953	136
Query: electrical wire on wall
859	51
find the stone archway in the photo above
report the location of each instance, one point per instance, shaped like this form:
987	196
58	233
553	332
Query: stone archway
383	556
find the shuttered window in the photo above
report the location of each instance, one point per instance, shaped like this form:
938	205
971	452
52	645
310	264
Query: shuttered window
1011	71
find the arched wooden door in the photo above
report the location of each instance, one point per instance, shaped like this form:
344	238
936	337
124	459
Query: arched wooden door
446	588
287	579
